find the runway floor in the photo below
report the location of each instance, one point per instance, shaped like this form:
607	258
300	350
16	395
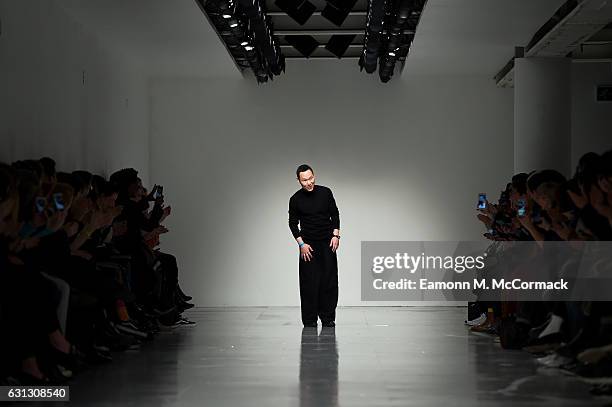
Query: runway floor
375	357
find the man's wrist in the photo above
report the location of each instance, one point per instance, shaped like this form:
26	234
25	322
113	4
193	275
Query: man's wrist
301	244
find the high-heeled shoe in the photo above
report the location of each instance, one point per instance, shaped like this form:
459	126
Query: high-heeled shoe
69	361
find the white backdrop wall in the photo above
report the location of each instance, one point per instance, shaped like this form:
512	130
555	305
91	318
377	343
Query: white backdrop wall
591	120
405	161
66	95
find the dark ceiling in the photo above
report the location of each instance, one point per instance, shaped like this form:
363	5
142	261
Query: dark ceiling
321	30
261	34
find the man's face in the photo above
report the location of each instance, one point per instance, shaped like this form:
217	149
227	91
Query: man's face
307	180
605	184
599	201
136	191
542	199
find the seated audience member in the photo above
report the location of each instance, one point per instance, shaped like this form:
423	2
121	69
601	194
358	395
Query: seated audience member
81	273
544	206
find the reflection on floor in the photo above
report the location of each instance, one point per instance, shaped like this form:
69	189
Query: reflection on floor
375	357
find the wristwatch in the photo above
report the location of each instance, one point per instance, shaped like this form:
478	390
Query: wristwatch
338	236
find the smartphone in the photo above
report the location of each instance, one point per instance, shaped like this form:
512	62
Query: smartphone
58	201
157	191
482	201
41	204
521	207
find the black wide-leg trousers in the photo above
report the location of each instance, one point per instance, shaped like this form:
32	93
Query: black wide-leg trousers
319	283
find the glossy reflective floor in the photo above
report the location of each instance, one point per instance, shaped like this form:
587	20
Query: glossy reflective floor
375	357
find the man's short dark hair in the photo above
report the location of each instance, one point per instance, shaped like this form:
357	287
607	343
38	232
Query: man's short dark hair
77	183
124	178
102	187
519	182
48	165
302	168
33	166
543	177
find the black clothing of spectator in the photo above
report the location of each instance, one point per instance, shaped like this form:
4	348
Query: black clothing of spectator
137	222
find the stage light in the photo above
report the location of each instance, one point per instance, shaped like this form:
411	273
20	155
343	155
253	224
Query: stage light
373	36
247	31
390	29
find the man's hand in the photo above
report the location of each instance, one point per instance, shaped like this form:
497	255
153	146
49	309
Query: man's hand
334	243
305	252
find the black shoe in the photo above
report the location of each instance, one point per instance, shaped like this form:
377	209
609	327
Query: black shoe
58	374
329	324
129	328
185	321
118	342
158	312
184	306
310	324
75	361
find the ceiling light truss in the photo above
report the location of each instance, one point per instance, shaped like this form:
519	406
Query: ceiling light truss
247	33
390	30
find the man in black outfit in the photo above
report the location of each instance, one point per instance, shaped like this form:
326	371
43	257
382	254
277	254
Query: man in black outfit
318	237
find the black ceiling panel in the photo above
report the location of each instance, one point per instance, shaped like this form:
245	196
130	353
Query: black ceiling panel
338	44
305	44
299	10
338	10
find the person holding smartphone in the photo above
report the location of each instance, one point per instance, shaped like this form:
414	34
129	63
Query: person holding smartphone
318	236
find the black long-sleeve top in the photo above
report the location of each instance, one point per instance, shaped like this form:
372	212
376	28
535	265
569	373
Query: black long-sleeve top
315	211
137	222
